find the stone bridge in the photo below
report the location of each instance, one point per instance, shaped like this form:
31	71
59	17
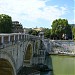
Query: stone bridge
18	50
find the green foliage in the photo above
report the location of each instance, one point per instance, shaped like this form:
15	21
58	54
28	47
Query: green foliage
5	23
30	31
73	31
47	33
60	27
33	32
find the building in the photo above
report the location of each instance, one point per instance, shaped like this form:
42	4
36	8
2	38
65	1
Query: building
17	27
38	29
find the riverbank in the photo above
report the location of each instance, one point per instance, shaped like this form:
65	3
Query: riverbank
28	71
62	54
34	70
42	68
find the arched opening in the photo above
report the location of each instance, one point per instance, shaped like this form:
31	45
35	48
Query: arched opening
28	55
5	67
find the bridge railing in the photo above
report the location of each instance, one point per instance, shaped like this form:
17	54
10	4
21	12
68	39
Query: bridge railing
12	38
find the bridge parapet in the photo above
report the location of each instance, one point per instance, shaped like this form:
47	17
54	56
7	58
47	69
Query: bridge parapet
14	37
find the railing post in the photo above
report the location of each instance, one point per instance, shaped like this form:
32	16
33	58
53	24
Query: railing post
18	36
14	37
2	39
21	36
24	36
9	38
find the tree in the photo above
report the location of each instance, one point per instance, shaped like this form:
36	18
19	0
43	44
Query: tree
33	32
47	33
60	27
5	23
73	31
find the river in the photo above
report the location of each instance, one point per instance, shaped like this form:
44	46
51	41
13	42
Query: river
61	65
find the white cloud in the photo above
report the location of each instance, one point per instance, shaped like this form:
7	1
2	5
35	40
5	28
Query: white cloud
30	9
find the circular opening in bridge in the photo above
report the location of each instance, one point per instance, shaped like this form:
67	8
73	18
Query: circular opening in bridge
28	55
5	67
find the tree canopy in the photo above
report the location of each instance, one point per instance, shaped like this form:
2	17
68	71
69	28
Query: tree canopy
60	27
5	23
47	33
33	32
73	31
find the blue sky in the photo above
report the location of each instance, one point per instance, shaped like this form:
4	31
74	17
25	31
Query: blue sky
40	13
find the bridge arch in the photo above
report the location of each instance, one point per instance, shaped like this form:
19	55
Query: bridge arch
28	54
7	66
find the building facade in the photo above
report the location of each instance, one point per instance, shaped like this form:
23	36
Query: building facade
17	27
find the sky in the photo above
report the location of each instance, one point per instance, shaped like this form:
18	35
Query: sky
38	13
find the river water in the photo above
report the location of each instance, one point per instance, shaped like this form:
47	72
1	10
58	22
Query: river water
61	65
